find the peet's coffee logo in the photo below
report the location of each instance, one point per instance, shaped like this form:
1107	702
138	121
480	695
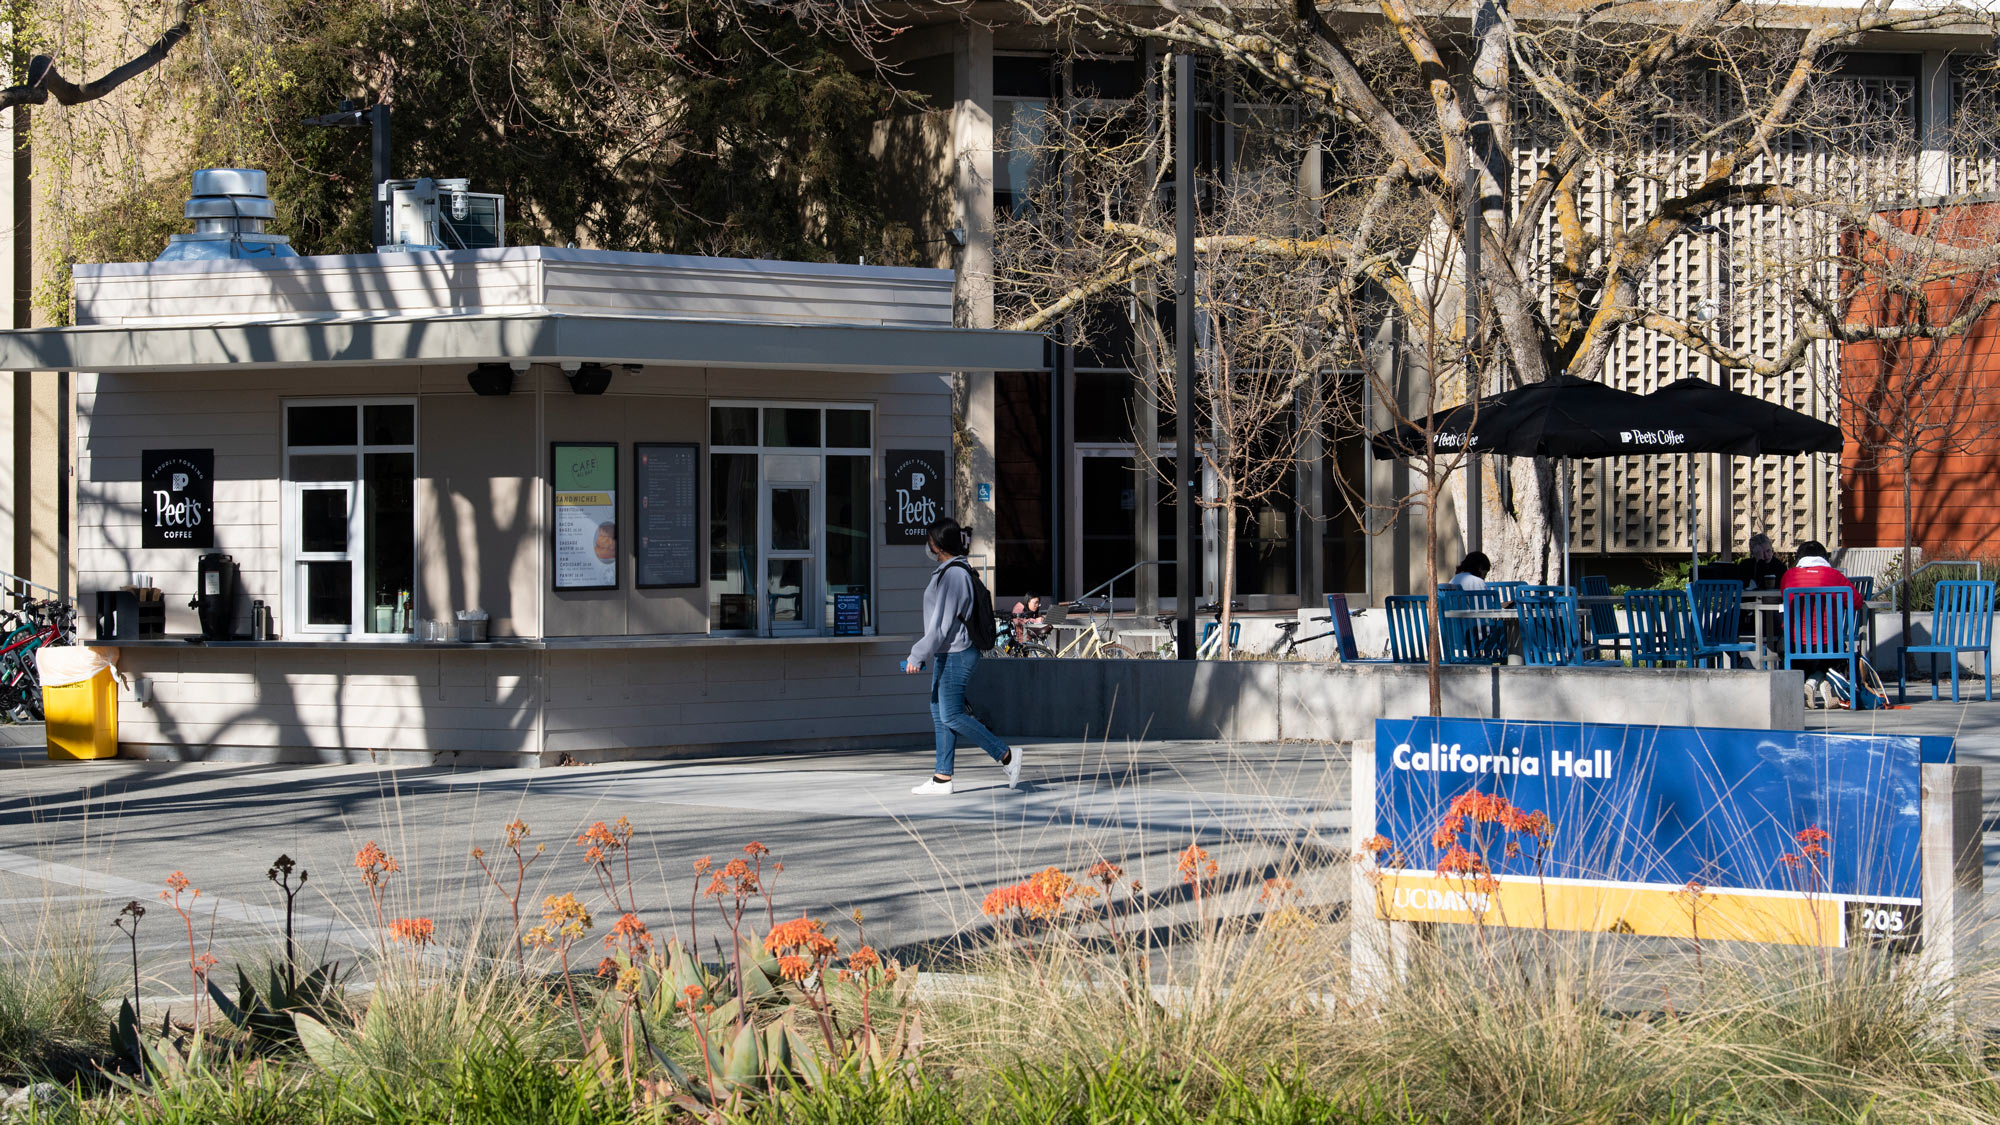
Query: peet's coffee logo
1453	439
914	493
1652	437
177	498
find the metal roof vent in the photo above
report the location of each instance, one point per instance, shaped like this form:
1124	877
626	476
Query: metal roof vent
229	209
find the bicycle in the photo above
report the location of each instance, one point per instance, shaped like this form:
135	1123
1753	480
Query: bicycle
1029	644
1288	641
37	623
1210	646
1089	643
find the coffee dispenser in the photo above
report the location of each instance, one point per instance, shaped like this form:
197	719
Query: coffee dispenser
215	597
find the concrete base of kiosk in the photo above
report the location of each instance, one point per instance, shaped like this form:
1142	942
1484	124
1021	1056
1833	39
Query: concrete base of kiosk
515	704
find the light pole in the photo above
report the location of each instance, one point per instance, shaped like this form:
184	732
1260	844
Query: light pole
376	118
1187	546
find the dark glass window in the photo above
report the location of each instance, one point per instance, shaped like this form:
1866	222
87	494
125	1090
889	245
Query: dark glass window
1023	76
389	425
847	429
732	540
323	520
319	425
1023	484
732	425
1104	402
791	427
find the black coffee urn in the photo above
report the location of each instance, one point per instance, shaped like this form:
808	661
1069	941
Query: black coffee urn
215	597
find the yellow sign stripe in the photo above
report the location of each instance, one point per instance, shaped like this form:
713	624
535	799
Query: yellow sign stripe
1653	911
583	499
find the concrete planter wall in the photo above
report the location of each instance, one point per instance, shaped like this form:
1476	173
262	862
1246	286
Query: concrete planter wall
1267	700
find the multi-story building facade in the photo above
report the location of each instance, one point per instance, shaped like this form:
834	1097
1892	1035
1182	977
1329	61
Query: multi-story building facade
1062	496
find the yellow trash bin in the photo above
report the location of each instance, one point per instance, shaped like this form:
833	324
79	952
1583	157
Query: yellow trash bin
79	703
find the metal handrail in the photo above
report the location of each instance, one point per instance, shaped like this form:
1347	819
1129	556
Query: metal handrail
9	582
1109	587
1896	589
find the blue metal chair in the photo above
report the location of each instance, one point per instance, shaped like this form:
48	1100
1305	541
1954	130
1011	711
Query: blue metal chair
1961	621
1865	585
1821	627
1603	616
1343	632
1526	590
1718	620
1551	635
1662	627
1408	628
1235	633
1470	641
1506	590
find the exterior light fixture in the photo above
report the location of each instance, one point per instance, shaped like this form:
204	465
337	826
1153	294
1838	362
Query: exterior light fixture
491	379
588	378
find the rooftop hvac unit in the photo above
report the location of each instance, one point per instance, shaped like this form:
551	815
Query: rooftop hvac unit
429	214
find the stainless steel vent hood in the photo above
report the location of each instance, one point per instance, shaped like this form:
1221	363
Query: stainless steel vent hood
230	208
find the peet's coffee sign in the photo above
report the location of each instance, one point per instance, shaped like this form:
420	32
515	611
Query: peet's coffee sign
914	489
177	498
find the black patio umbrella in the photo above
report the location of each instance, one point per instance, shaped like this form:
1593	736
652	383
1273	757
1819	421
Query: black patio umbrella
1778	430
1568	417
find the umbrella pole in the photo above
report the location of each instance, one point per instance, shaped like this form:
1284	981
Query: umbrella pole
1694	516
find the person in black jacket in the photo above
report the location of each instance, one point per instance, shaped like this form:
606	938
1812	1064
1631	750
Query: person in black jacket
947	648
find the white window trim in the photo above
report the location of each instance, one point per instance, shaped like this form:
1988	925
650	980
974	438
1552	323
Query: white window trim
291	585
872	453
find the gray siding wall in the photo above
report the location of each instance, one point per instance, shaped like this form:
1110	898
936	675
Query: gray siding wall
479	464
514	280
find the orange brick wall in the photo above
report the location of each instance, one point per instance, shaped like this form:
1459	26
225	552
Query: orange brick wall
1955	491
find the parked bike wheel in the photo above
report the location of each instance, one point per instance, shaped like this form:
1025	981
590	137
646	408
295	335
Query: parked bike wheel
1117	652
1033	650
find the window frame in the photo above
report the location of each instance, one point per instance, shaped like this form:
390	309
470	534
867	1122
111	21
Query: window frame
821	538
292	558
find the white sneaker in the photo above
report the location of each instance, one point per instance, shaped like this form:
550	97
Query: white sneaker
1013	769
933	787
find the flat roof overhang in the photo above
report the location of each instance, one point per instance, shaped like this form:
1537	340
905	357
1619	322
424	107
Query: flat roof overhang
536	338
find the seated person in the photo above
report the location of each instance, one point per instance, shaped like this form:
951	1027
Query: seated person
1472	571
1028	622
1810	568
1763	568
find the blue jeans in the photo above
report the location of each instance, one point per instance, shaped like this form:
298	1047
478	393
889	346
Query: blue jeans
949	718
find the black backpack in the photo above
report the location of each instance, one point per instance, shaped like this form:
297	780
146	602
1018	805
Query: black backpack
980	625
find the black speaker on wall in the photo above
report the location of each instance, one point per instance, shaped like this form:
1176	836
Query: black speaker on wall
590	379
491	379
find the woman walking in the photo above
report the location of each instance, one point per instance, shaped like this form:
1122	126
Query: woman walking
947	646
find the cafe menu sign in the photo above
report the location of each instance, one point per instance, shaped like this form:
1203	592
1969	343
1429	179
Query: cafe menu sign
666	546
586	515
914	490
177	498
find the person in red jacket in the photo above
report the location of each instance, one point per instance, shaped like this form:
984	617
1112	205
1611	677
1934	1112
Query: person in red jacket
1811	568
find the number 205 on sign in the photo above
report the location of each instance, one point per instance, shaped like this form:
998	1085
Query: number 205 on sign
1870	923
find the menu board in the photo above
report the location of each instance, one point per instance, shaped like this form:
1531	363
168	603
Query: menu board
847	615
666	537
585	476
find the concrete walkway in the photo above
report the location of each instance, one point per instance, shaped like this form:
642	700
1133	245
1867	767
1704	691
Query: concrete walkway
77	840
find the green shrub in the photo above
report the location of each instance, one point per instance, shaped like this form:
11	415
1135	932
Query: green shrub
53	989
1923	586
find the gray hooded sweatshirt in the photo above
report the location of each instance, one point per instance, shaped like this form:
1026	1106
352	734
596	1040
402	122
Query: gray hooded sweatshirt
947	600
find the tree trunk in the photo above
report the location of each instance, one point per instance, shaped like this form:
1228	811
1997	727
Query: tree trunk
1433	636
1903	587
1522	543
1227	585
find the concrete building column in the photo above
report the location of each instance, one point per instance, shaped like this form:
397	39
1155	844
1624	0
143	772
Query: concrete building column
972	207
1934	119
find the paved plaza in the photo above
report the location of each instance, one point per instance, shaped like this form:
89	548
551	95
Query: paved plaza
78	840
87	837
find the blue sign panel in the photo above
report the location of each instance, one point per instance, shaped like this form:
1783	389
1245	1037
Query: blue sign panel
1777	835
